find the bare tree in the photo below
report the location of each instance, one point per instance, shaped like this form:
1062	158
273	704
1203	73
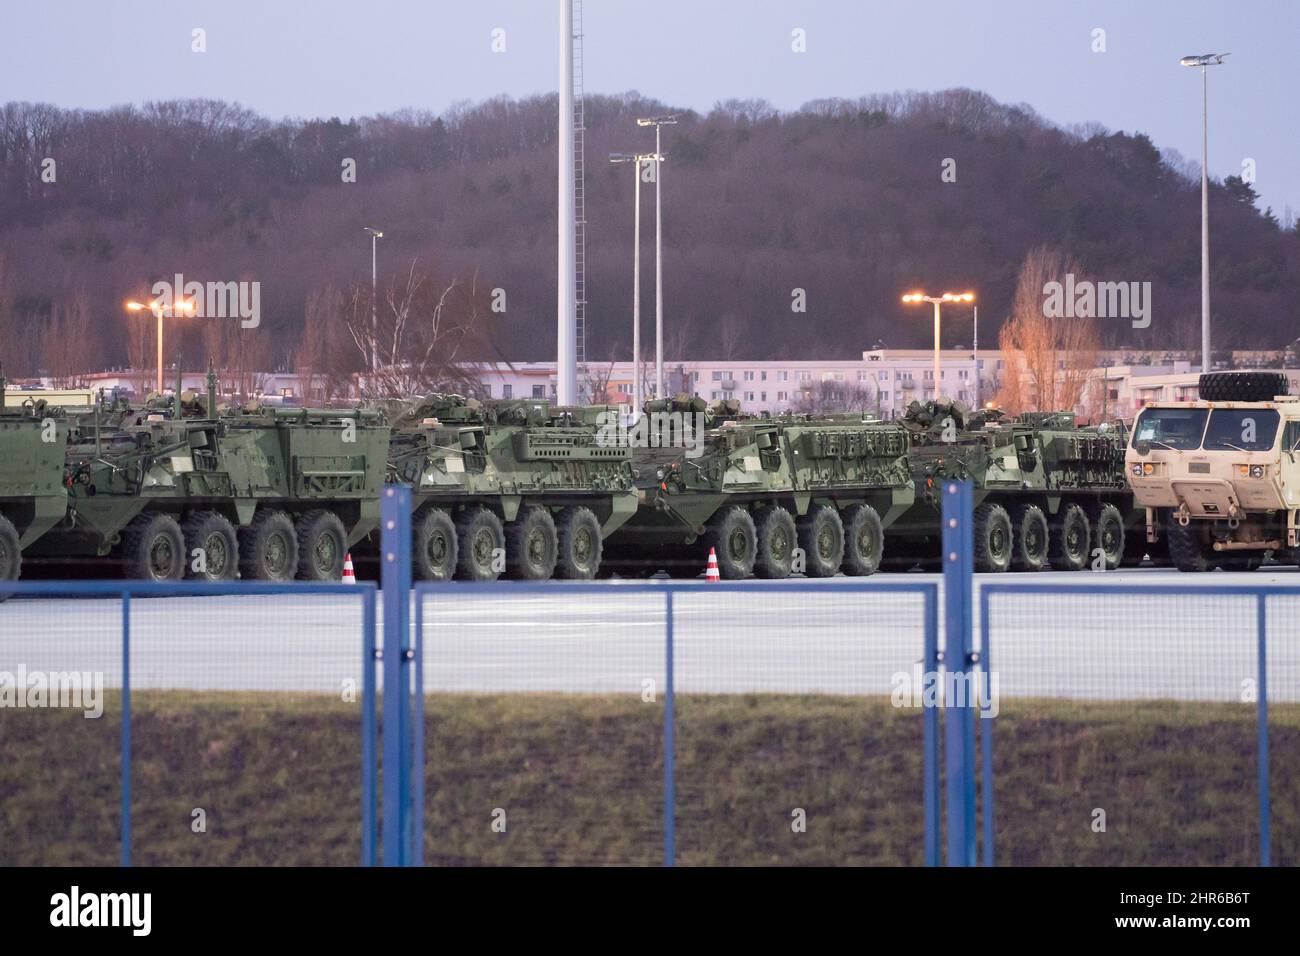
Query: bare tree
1048	360
426	337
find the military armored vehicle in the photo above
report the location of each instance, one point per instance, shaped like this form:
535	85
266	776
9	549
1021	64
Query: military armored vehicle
770	496
1219	475
188	491
1047	492
32	495
520	487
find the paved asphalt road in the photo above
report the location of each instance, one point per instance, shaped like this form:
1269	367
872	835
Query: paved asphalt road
848	638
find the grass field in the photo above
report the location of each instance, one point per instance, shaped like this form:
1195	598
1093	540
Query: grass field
579	780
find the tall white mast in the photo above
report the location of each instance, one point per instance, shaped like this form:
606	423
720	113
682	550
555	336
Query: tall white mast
566	370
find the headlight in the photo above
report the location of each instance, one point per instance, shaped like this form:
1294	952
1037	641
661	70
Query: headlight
1137	469
660	474
1257	471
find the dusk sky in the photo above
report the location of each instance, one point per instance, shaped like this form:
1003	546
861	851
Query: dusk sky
344	58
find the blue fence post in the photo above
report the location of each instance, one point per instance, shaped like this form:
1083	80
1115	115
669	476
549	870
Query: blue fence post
126	729
670	795
930	745
1261	718
400	830
369	757
959	716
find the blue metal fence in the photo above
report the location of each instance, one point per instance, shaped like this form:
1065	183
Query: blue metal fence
23	618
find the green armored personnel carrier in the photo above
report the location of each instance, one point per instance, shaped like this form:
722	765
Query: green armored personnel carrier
1047	492
522	488
32	494
173	492
770	496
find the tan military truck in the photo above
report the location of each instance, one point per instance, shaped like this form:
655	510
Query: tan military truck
1219	477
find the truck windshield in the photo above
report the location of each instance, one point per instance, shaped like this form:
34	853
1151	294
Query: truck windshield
1178	428
1248	429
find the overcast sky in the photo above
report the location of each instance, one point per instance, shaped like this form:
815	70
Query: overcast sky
350	58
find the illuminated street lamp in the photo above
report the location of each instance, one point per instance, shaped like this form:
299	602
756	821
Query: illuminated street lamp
1204	60
916	297
178	308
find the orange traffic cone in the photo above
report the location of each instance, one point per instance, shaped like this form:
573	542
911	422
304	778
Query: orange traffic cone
349	575
711	572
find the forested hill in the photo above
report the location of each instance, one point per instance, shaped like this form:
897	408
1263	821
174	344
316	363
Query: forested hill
843	199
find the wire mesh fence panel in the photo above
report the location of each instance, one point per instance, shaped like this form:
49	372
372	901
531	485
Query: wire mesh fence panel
60	730
1126	729
799	724
246	717
1283	629
544	715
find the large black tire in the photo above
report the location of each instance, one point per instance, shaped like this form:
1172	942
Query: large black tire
1071	539
322	546
1242	386
531	545
821	535
268	548
211	547
479	536
153	549
1186	549
1108	535
11	555
992	539
433	546
580	547
732	535
864	541
1029	538
777	540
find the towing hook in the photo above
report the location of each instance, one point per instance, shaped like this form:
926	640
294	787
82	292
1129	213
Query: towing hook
1184	516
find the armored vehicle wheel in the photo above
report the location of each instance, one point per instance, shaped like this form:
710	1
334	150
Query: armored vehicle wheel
992	538
322	546
433	550
1070	539
153	548
735	539
776	543
864	540
821	535
480	539
211	548
11	556
268	548
1108	535
1029	538
1242	386
580	547
1186	549
531	546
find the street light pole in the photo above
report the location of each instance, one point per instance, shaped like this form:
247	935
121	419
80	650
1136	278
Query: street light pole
637	160
1204	61
976	347
937	300
179	306
375	236
658	122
